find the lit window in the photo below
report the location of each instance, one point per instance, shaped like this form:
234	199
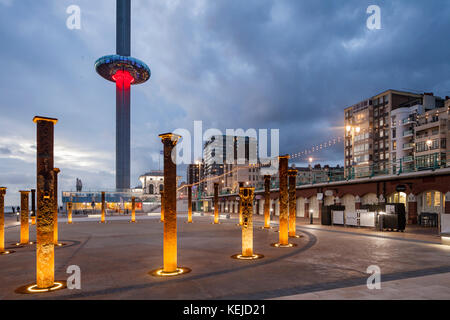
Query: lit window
428	200
437	199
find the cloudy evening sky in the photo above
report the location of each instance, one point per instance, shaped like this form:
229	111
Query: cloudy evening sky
293	65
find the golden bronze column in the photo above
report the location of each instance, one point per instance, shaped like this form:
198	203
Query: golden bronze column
103	219
33	206
240	212
283	187
266	201
69	212
189	189
55	212
162	205
133	209
169	200
24	211
2	221
45	250
292	173
246	195
216	203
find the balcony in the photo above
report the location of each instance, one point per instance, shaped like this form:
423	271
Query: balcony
408	159
407	146
408	133
407	121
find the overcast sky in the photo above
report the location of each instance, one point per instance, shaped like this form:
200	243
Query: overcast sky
291	65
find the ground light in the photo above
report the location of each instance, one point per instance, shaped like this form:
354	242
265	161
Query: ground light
170	266
246	195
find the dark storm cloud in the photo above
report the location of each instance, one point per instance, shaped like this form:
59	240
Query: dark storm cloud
292	65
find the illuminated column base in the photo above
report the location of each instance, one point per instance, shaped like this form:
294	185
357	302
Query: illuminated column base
252	257
6	252
161	273
33	288
20	245
295	236
279	245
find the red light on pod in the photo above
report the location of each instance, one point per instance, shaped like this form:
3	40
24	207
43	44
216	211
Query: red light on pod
123	78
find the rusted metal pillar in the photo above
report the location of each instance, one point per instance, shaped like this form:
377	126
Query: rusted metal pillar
282	173
292	173
45	250
246	196
169	200
69	212
2	220
33	206
266	201
133	209
162	204
216	203
189	189
284	197
55	212
103	218
24	212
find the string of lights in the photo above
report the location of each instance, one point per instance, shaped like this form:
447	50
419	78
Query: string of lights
327	144
306	152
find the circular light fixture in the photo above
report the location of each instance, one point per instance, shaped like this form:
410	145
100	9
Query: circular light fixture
33	288
162	273
242	257
278	245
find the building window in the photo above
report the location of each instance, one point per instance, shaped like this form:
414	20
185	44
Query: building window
437	199
428	199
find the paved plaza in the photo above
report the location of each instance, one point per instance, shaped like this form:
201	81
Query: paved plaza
328	263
